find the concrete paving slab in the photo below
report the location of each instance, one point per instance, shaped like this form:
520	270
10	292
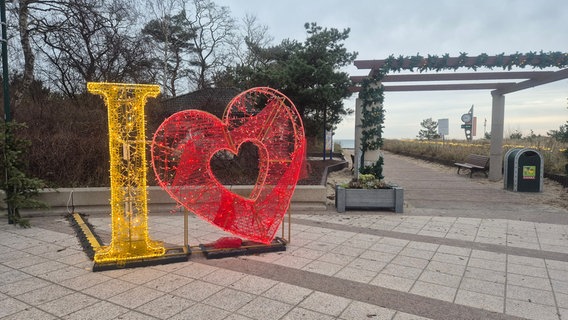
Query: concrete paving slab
463	249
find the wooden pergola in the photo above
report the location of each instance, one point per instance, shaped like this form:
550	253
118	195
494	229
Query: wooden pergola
504	82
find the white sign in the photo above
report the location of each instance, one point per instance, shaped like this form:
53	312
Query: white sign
329	140
443	127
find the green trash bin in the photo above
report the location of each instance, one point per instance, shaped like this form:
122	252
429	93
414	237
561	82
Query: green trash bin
523	170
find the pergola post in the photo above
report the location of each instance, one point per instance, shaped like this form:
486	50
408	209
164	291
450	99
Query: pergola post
496	149
358	132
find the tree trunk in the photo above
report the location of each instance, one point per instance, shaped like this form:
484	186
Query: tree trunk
29	58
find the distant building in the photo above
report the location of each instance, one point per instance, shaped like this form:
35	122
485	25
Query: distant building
212	100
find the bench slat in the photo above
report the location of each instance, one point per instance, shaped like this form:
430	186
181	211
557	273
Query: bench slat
474	162
469	165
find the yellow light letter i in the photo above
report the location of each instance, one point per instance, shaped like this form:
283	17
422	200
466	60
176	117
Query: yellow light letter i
130	241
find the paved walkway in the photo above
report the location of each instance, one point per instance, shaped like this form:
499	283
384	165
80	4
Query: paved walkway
463	249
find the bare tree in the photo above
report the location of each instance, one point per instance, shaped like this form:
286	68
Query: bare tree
249	48
22	8
160	13
172	37
66	43
90	40
26	13
252	35
214	28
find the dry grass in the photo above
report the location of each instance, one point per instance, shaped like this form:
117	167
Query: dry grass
451	151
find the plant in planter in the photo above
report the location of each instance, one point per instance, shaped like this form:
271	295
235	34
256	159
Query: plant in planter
366	181
368	192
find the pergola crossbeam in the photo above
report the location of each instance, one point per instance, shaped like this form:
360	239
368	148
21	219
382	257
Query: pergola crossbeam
449	62
533	82
459	76
442	87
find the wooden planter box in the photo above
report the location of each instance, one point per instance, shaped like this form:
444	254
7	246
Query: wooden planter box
346	199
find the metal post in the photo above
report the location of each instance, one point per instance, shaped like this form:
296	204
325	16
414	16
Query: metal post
5	79
283	226
496	149
6	88
185	232
289	226
324	132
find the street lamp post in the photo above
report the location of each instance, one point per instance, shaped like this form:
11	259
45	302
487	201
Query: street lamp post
6	94
5	81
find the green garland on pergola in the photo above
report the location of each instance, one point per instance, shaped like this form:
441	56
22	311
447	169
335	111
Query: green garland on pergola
372	94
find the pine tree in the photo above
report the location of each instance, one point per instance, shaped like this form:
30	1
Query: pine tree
430	131
19	189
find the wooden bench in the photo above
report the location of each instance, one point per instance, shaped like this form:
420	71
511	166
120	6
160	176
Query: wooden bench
474	162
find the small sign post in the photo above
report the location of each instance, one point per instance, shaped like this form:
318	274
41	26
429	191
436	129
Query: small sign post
443	127
467	125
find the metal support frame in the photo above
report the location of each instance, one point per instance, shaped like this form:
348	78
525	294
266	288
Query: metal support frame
289	238
185	230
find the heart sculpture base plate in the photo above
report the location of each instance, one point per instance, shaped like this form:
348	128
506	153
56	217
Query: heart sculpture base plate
247	248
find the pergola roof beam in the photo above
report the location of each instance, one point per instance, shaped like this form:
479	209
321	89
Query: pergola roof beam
554	76
459	76
450	62
442	87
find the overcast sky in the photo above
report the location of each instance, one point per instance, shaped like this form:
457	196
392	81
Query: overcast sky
380	28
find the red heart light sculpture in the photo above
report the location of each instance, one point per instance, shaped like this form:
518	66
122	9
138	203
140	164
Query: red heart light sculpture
184	144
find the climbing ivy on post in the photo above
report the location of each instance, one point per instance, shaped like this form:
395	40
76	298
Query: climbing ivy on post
372	119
